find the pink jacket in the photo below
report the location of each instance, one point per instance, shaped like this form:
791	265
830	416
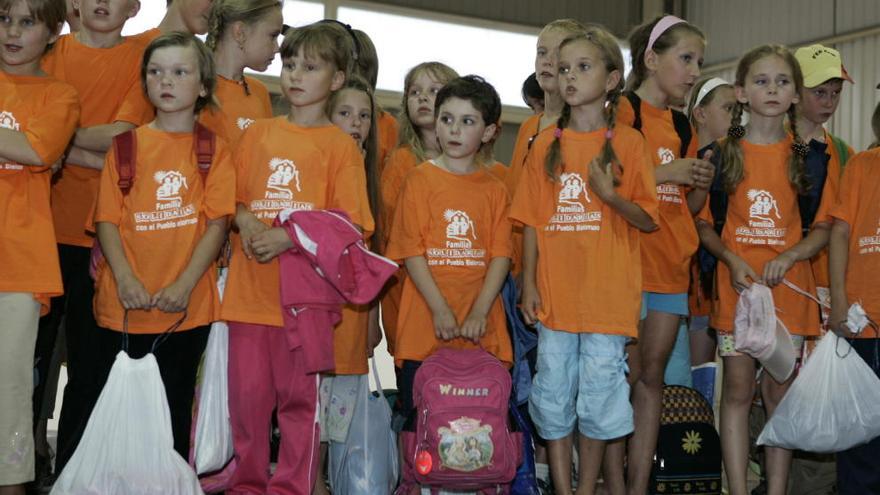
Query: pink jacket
328	266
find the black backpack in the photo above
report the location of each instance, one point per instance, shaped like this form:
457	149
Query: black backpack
688	456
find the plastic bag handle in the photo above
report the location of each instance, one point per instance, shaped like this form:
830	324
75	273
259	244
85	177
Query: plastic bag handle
805	293
376	376
158	341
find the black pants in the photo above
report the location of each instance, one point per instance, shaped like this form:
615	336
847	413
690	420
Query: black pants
857	468
76	309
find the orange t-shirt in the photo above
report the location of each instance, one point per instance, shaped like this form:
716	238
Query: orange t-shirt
763	220
835	168
458	223
279	166
237	109
589	265
388	129
161	220
109	87
858	205
667	252
45	111
499	170
525	137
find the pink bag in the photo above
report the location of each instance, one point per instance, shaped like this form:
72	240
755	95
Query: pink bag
758	333
462	439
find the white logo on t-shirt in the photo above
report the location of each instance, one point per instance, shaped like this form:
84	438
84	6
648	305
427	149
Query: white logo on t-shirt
283	173
170	184
7	121
244	122
666	155
762	206
458	227
570	194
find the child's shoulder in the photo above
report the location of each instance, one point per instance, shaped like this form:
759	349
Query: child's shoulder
868	160
256	87
402	153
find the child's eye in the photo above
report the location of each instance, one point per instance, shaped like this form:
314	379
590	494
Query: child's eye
365	116
542	52
783	82
287	66
28	22
152	71
344	113
584	67
760	82
180	72
687	58
563	69
311	68
468	121
446	120
5	19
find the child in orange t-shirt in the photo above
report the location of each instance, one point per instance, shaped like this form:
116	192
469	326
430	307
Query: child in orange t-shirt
586	193
451	230
417	143
38	116
854	252
161	237
244	34
761	242
666	57
300	161
367	66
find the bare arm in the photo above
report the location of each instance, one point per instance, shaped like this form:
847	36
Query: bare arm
85	158
445	324
100	137
129	288
740	271
602	183
838	258
815	241
474	325
531	299
18	149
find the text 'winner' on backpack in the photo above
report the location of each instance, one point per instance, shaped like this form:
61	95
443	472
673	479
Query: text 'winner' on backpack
688	456
462	440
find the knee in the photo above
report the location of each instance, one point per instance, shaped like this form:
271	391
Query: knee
738	394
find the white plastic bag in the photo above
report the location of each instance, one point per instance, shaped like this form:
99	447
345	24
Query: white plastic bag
127	447
213	438
833	404
366	463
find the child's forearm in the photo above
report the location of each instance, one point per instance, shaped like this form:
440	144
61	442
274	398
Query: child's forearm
838	257
243	215
530	255
111	247
495	276
205	253
815	241
85	158
418	271
100	137
633	214
18	149
712	241
696	199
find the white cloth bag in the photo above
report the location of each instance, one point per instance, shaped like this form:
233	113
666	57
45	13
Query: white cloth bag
127	447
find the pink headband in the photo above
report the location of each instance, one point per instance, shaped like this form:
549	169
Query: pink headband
661	27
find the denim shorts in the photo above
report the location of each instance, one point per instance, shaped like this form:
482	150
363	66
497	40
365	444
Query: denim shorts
581	379
674	304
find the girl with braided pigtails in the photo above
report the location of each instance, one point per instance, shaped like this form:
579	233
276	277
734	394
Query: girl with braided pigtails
242	34
763	176
586	193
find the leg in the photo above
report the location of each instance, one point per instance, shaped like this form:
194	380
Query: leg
589	464
857	471
702	341
613	474
656	339
320	486
251	400
552	400
778	459
678	366
738	390
19	316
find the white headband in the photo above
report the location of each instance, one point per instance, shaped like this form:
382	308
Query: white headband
707	88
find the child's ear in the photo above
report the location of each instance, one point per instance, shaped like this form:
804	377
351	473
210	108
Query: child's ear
135	8
741	94
612	81
651	60
338	80
489	133
699	114
239	34
54	34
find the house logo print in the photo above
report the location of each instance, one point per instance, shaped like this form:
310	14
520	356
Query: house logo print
763	205
459	228
7	121
666	155
170	184
283	173
243	123
572	188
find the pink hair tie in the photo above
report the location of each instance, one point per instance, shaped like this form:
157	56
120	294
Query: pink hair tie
661	27
557	133
609	134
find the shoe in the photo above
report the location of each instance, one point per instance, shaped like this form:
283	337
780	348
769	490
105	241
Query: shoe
546	487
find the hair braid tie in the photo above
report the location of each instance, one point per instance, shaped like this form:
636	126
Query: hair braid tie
800	148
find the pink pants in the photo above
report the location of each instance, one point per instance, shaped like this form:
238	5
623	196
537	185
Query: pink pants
265	374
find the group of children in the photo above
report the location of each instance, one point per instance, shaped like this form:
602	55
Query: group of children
158	147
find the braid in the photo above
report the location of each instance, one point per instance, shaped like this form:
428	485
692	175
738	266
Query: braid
607	157
216	25
554	155
731	151
796	169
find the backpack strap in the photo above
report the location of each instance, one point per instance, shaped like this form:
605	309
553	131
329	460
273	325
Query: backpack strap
125	147
636	104
842	151
204	143
683	129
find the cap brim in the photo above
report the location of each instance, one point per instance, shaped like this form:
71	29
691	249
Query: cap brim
781	360
822	76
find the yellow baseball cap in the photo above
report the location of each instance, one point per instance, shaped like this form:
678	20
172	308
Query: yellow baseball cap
820	64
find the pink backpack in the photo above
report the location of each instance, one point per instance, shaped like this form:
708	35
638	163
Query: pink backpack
462	439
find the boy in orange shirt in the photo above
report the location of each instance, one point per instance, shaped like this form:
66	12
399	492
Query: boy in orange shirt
162	235
854	267
38	116
299	161
451	231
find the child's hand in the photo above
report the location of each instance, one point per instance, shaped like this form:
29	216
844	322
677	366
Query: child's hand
837	320
270	243
602	181
132	293
445	325
775	269
172	299
740	273
679	171
474	327
249	226
531	303
703	171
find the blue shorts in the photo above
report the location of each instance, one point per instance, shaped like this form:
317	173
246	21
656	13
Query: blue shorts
674	304
581	377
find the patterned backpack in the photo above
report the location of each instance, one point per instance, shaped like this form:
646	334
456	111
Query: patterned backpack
688	456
